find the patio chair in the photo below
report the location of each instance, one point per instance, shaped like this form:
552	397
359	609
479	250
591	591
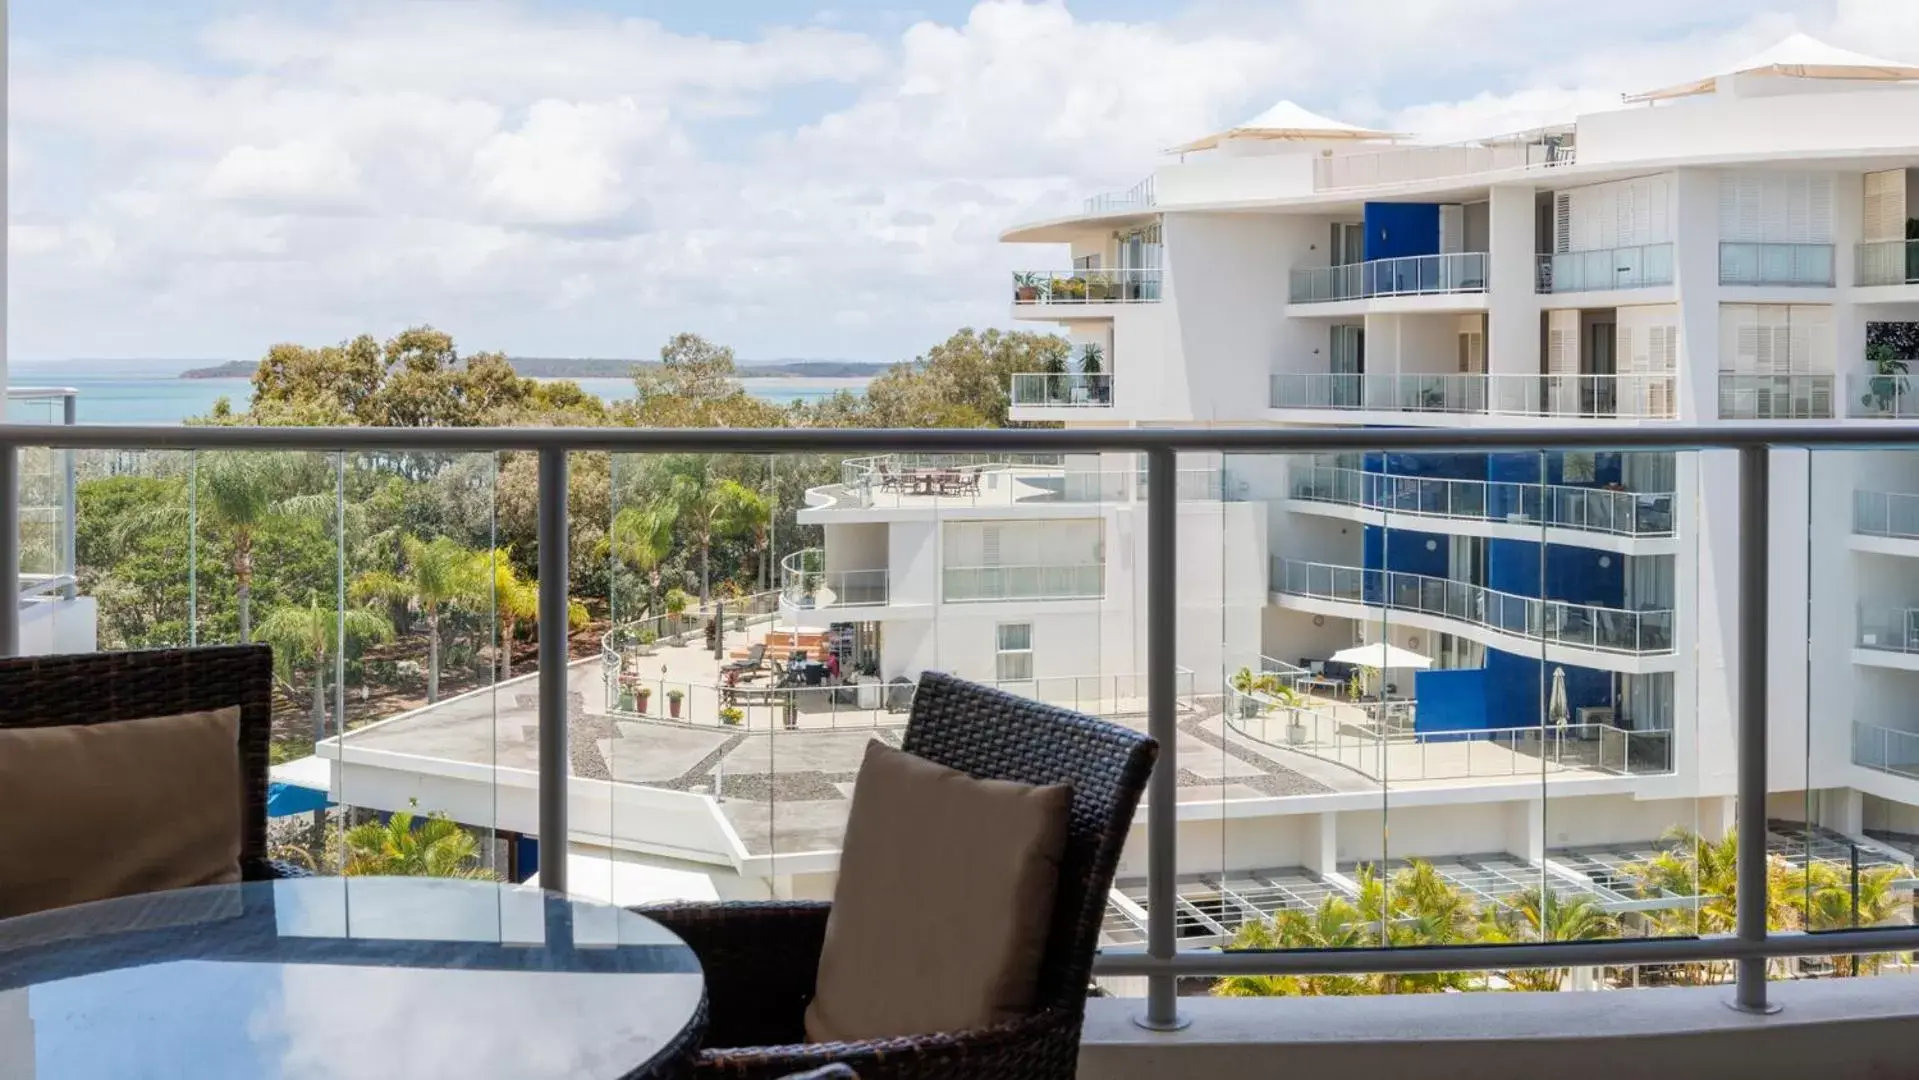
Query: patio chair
105	688
750	666
889	480
761	958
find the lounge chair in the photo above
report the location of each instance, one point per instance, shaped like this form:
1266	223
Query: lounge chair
750	666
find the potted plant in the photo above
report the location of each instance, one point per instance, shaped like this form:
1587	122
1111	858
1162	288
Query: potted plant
1243	682
1025	287
649	642
643	696
676	604
1888	378
626	698
1092	364
731	716
673	699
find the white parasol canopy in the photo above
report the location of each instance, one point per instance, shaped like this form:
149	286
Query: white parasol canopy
1287	120
1800	57
1381	656
1556	708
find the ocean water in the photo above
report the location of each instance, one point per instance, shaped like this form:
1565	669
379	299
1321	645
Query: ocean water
129	394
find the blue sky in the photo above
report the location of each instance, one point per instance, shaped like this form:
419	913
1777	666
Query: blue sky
204	178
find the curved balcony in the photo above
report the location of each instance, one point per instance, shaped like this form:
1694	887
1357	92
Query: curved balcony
1137	285
1549	622
1597	510
806	584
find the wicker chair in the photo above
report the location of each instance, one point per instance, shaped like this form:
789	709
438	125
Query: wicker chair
761	958
100	688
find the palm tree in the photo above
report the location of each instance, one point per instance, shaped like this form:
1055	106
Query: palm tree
1827	892
517	600
308	632
713	507
642	538
1705	874
1334	924
437	574
437	848
234	493
1543	915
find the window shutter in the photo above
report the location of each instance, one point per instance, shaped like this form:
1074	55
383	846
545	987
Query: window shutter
1562	342
1739	339
1562	221
1812	340
1452	228
990	545
1884	206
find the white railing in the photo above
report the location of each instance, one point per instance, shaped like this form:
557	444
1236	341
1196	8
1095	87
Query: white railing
1101	695
1557	622
1775	397
978	584
806	584
1885	513
1634	267
1135	286
1409	275
1069	389
1887	262
1138	197
1566	506
1775	264
1644	397
1356	737
1409	163
1886	749
979	480
1894	629
1887	396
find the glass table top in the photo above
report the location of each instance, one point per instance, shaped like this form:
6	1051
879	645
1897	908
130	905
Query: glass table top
341	977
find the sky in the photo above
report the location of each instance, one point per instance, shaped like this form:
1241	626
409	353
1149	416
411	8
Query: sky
204	178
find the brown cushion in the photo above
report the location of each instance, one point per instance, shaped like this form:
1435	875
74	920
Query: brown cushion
944	898
90	811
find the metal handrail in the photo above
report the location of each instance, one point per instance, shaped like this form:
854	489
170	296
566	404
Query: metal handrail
1885	513
1071	389
1590	396
1889	750
805	583
1123	285
1637	266
1588	509
1745	263
1406	275
1060	581
1555	622
1886	262
1162	962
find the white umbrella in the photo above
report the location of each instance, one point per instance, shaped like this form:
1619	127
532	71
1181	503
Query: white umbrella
1556	706
1381	656
1287	121
1798	57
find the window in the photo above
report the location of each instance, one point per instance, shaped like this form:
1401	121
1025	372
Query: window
1014	660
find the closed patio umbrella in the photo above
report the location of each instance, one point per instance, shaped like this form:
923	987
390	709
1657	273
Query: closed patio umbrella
1556	706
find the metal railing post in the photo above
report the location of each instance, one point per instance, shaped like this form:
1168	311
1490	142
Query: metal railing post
69	564
10	550
1755	472
555	758
1162	821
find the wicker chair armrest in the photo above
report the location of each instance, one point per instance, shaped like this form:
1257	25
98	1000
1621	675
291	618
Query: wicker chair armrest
1044	1044
760	959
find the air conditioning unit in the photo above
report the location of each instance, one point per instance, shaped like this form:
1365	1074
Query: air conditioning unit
1596	714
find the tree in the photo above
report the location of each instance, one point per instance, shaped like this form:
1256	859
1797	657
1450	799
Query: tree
696	384
406	845
517	600
641	539
1334	924
1827	892
963	381
435	574
307	633
1708	873
711	506
1536	915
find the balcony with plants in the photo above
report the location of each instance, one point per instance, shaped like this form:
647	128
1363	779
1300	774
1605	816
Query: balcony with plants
1082	383
1084	287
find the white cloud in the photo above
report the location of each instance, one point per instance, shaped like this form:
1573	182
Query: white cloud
544	181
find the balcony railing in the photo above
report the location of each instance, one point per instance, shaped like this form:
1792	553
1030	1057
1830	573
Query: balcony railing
1411	275
905	480
1775	264
1885	749
565	786
1889	629
1564	506
1073	390
806	584
1555	622
1358	737
1887	262
1891	396
47	497
1636	267
1410	163
1137	286
1885	513
1136	198
980	584
1775	397
1646	397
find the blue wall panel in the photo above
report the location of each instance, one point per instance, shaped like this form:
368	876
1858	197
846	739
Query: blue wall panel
1405	550
1453	700
1516	696
1398	229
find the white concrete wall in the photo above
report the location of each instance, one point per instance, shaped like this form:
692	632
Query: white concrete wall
861	546
1229	276
913	556
55	626
1722	125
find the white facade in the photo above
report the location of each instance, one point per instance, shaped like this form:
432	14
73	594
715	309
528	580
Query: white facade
1714	259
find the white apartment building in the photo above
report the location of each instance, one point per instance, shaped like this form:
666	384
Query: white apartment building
1734	249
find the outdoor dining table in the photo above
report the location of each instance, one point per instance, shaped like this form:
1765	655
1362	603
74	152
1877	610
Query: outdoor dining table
347	977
